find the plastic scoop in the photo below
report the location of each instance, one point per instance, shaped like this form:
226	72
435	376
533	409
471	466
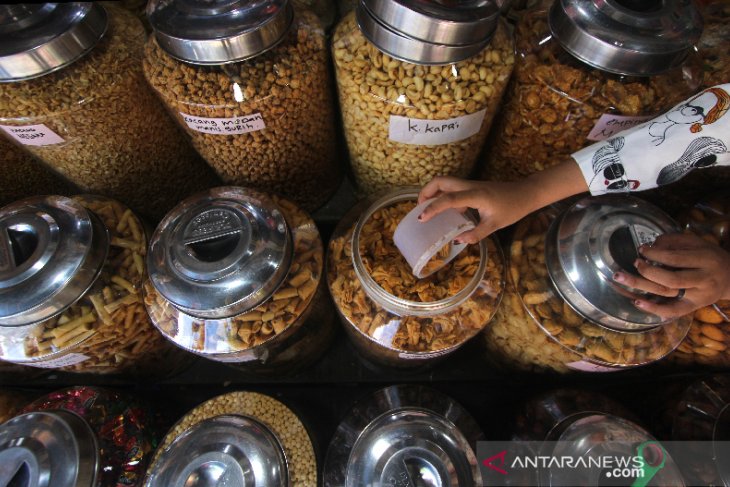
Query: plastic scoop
428	246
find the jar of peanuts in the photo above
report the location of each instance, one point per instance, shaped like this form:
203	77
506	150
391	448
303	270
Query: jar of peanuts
563	310
708	340
251	439
78	437
235	276
71	289
250	83
419	84
392	317
404	435
587	70
72	93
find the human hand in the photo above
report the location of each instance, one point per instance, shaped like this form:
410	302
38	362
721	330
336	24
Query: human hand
699	267
499	204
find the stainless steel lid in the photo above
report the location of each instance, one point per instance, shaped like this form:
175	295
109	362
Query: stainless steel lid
37	39
598	435
592	240
51	251
224	450
412	434
219	31
630	37
220	253
428	31
48	449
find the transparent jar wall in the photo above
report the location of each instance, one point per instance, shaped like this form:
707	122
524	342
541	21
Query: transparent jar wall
23	175
325	10
713	47
555	101
373	86
565	340
107	330
278	134
708	340
281	421
11	402
286	333
114	137
123	427
406	341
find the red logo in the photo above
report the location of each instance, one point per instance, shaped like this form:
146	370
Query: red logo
497	468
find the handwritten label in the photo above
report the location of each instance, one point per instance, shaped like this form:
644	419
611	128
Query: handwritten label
585	366
64	361
33	134
417	131
225	126
609	125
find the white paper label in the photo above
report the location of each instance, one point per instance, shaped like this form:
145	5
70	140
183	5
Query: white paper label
608	125
585	366
434	132
225	126
33	134
65	361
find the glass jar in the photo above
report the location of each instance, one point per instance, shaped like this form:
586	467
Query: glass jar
240	438
11	402
250	84
78	437
563	311
72	93
714	41
708	340
404	435
235	276
393	318
323	9
419	84
23	175
578	424
586	70
71	287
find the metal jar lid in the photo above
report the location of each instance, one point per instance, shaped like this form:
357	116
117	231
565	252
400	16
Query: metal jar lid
52	249
48	449
37	39
595	238
220	253
409	433
629	37
224	450
219	31
428	31
598	435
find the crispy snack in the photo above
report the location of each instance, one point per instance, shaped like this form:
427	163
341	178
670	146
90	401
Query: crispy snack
554	101
287	306
536	330
373	86
289	86
118	139
714	42
109	324
391	272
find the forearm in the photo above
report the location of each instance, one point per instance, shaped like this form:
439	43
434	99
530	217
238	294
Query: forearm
553	184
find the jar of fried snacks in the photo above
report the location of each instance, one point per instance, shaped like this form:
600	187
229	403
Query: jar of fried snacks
242	439
71	273
404	435
235	276
250	83
78	437
714	41
23	175
587	70
587	425
72	93
392	317
419	84
563	310
699	417
708	340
